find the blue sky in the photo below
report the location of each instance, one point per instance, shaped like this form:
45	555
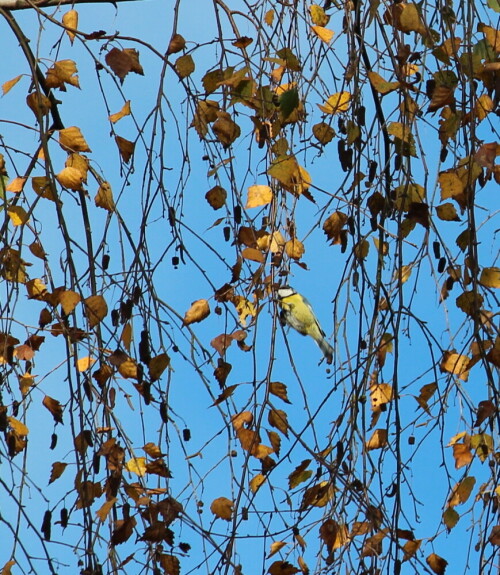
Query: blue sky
314	391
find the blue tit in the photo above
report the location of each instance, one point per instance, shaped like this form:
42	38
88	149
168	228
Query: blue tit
298	313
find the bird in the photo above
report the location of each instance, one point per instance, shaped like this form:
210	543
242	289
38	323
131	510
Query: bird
298	313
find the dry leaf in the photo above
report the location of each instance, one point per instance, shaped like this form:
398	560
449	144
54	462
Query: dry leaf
324	34
55	408
7	86
72	140
70	22
125	147
104	197
96	309
378	440
69	300
258	195
198	311
125	111
57	470
222	507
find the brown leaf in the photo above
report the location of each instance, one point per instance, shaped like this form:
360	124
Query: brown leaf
221	342
157	365
333	227
96	309
123	530
279	419
38	103
170	564
120	62
125	147
54	407
224	395
222	507
225	129
494	537
176	44
437	563
282	568
462	455
216	197
334	535
279	390
318	495
485	410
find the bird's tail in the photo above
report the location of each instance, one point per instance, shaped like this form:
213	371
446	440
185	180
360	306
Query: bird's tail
326	348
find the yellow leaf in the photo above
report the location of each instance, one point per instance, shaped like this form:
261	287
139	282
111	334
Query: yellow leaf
256	482
294	249
275	547
245	309
136	465
7	86
69	300
26	382
447	212
461	492
381	85
96	309
222	507
318	495
259	195
451	185
490	277
269	17
403	275
483	107
70	178
300	474
72	140
85	363
36	289
126	336
323	132
18	426
253	255
105	508
338	102
377	440
62	72
17	215
198	311
128	369
324	34
380	394
70	21
455	363
492	36
42	187
16	185
158	365
104	197
125	111
184	66
318	15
